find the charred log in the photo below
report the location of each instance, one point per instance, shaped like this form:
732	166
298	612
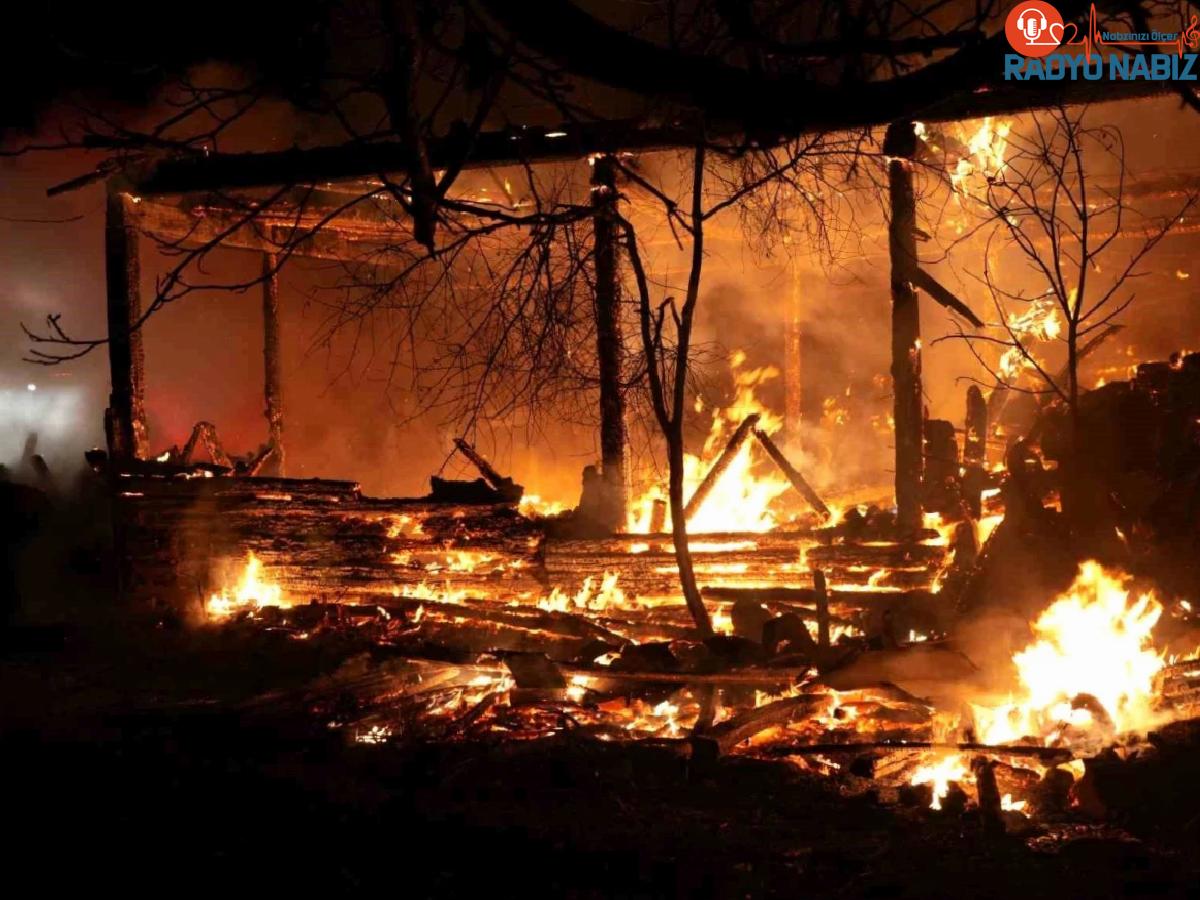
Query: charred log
797	480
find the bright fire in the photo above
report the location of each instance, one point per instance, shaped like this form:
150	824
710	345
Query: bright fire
249	594
1040	320
1094	647
938	776
587	598
741	499
534	506
986	149
953	768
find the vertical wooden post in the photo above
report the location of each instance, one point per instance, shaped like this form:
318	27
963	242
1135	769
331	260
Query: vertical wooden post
272	380
793	384
609	342
975	451
821	592
125	418
900	146
658	516
975	442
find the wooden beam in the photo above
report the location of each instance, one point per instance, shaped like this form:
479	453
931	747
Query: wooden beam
975	438
900	144
315	166
237	231
272	368
798	481
125	419
573	141
942	295
610	343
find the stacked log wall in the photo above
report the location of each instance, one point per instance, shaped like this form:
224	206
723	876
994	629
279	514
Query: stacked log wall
185	537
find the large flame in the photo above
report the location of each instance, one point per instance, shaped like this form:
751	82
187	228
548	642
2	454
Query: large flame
1039	320
740	500
251	593
1093	659
987	147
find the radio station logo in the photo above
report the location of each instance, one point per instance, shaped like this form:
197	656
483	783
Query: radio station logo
1049	49
1034	28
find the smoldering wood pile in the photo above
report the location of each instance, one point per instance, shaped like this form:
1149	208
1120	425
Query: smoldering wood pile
319	539
473	622
184	530
749	560
480	647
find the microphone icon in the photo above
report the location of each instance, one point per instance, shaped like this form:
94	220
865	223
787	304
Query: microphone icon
1032	23
1034	28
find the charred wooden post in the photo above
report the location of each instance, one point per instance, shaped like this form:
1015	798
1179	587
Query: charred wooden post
975	442
658	516
988	796
125	418
822	596
900	145
974	483
798	481
609	341
718	468
941	466
974	454
272	376
966	545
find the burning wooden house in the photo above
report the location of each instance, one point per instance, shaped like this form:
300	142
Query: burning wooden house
974	616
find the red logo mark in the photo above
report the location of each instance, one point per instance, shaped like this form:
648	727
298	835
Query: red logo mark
1034	28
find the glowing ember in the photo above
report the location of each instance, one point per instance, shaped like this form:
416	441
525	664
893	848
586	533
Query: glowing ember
404	526
954	768
468	561
661	719
1093	660
933	521
587	598
249	594
722	622
833	413
721	546
1008	804
424	591
376	734
534	506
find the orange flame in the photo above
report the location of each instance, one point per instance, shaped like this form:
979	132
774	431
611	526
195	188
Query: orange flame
1093	641
249	594
740	500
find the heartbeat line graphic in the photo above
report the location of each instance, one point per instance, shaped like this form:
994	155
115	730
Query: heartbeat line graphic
1093	38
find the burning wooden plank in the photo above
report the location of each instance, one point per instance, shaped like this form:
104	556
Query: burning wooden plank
797	480
736	440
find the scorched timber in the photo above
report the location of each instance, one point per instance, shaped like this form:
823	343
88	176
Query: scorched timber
751	561
318	539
